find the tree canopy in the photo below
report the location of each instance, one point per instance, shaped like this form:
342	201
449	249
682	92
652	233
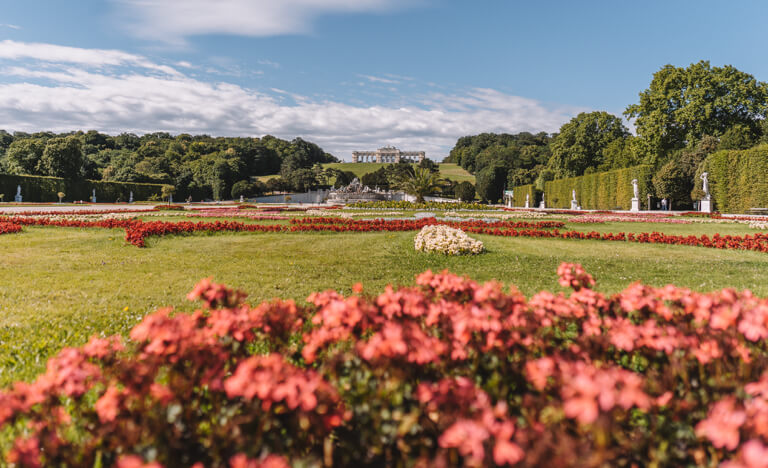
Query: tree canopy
581	143
684	104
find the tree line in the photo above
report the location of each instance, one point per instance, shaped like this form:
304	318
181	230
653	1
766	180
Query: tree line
199	166
685	114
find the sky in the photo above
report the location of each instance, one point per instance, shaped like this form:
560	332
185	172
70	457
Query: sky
352	74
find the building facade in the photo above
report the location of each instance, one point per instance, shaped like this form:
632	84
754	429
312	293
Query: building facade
388	154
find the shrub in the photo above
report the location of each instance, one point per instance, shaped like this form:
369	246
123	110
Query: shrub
601	191
735	178
465	191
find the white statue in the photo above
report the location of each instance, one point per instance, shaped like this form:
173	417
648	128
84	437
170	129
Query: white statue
573	192
93	196
130	198
705	183
635	190
526	198
18	198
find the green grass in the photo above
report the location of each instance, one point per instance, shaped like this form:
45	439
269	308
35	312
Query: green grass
447	171
60	286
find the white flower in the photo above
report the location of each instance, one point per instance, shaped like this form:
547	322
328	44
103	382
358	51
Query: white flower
446	240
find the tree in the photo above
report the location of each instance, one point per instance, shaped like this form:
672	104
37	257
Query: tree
23	156
738	137
582	141
62	157
429	164
61	196
465	191
684	104
167	191
241	188
490	183
420	183
671	182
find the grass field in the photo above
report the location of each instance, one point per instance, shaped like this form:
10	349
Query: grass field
447	171
62	285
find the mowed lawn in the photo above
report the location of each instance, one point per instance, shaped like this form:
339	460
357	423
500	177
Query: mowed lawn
62	285
447	171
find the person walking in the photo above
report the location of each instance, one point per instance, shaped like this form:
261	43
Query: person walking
663	204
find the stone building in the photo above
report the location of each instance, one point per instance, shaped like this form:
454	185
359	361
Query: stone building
388	154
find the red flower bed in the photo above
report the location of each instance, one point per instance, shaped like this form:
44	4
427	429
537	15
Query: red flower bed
9	228
448	372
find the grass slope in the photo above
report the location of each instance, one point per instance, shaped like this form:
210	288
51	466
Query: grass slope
447	171
60	286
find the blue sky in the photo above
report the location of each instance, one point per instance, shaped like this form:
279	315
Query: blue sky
352	74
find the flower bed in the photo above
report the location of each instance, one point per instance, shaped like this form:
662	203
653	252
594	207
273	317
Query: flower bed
448	372
446	240
8	228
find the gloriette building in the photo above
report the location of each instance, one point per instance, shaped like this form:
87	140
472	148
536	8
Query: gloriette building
388	154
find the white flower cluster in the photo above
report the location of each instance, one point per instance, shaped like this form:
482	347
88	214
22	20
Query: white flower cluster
496	214
761	225
446	240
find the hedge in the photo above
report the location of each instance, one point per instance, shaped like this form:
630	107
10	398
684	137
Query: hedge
518	199
737	179
45	189
600	191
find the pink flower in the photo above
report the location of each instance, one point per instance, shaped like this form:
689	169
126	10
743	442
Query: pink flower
467	436
722	424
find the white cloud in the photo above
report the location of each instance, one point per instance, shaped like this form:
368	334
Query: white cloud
10	26
173	20
90	89
378	79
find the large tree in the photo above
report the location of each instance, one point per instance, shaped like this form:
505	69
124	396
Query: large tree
683	104
582	141
62	157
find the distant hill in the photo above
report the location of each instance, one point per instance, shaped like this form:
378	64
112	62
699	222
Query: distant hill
447	170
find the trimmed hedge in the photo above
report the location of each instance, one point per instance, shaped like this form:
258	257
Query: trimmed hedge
44	189
519	197
600	191
737	179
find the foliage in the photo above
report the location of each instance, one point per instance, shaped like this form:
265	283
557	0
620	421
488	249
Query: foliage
684	104
737	181
421	182
581	143
518	198
601	191
490	183
167	191
413	376
406	205
465	191
201	166
670	182
45	189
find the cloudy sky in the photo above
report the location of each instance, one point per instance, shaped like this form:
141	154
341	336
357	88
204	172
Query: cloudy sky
352	74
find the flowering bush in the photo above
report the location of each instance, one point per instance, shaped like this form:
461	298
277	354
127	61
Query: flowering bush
448	372
446	240
8	228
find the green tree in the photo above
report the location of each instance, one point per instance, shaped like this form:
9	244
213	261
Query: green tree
582	141
671	182
684	104
739	137
489	183
465	191
420	183
62	157
167	192
23	156
241	188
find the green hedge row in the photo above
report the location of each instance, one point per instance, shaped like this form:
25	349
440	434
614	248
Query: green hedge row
600	191
44	189
738	179
518	199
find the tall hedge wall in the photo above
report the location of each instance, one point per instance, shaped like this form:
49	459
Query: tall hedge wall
519	197
738	179
600	191
44	189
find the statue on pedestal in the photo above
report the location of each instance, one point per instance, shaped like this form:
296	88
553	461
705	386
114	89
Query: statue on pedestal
635	191
18	198
705	184
93	196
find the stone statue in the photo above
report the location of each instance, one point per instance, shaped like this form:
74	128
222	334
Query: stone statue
573	192
705	183
130	198
93	196
18	198
635	190
527	197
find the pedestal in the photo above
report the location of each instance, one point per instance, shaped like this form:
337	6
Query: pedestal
574	205
706	205
17	198
526	204
635	204
542	205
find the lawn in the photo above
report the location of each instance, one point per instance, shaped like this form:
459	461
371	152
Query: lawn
62	285
447	171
